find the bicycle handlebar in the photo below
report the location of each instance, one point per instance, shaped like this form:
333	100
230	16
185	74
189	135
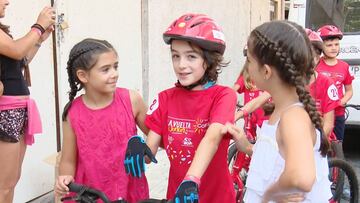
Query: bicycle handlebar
84	192
355	106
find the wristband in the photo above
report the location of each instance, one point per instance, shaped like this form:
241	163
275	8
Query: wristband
40	27
36	30
193	178
245	113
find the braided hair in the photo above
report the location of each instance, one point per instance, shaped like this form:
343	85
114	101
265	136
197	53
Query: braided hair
83	56
285	46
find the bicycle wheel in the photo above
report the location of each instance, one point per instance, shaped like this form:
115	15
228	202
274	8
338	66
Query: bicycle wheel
348	190
239	179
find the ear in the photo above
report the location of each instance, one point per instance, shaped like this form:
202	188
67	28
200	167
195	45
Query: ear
82	75
267	72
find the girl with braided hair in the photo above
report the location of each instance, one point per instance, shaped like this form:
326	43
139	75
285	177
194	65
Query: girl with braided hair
97	124
289	161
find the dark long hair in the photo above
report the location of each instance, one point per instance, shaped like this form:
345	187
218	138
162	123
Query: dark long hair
83	56
285	46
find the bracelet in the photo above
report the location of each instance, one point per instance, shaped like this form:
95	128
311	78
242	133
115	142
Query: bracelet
36	30
193	178
40	27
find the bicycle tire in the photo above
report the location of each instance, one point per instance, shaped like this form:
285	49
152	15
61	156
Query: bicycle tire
351	175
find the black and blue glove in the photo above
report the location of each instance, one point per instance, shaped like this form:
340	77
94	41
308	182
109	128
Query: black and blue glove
187	192
135	156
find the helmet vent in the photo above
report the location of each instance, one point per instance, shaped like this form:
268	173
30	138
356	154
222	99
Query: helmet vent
196	24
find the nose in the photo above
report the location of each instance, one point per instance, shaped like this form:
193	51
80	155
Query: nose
115	73
182	63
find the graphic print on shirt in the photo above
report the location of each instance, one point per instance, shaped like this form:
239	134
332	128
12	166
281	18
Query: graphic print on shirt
153	106
338	78
183	138
333	93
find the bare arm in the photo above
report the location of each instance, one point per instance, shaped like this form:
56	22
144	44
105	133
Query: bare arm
296	147
241	142
206	150
153	141
35	48
254	104
139	110
236	87
347	96
67	165
68	152
18	49
328	120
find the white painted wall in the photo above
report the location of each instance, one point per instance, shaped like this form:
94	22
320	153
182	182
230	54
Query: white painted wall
121	23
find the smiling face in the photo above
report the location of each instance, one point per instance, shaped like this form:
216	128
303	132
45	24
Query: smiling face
188	63
103	76
331	47
3	5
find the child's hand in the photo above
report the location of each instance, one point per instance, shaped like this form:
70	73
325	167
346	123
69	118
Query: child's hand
61	185
238	134
134	158
187	192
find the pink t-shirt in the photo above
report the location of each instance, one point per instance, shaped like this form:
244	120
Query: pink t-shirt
182	117
257	117
340	75
101	138
325	94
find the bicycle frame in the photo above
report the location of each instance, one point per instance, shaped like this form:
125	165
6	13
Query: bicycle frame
242	161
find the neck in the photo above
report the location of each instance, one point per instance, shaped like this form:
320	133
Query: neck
282	97
330	61
97	101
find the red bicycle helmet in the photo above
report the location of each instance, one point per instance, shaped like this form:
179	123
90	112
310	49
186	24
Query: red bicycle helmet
198	29
313	36
330	31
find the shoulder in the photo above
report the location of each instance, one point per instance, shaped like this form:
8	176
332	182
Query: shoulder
294	119
224	91
342	63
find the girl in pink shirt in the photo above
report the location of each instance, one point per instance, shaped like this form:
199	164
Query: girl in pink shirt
97	125
187	119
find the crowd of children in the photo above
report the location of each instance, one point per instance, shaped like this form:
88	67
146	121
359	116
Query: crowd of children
294	69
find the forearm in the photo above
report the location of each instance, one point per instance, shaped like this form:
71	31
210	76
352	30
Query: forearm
33	52
205	152
67	168
23	47
347	97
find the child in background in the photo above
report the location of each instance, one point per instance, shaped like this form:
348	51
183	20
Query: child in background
245	85
338	71
97	125
188	118
288	161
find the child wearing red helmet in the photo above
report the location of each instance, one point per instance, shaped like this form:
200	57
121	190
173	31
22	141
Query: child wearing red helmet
187	119
338	71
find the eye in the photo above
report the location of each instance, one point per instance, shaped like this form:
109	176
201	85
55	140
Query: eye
116	66
174	56
192	56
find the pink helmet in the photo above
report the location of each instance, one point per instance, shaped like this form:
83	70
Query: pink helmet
313	36
330	31
198	29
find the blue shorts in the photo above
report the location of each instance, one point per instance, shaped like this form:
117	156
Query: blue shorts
339	128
